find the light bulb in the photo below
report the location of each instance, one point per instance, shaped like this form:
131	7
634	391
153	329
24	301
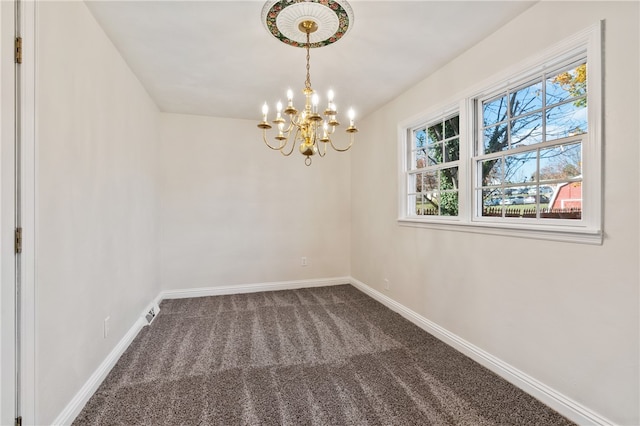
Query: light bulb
290	95
265	111
279	106
352	115
330	98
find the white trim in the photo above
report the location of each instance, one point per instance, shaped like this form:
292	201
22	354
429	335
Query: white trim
7	217
552	398
252	288
29	356
536	232
75	406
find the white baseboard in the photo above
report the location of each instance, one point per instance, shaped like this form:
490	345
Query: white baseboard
559	402
253	288
73	408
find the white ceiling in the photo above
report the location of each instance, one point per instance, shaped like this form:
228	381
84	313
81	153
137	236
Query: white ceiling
216	58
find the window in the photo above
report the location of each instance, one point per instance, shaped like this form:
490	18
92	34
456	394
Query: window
434	153
529	148
519	155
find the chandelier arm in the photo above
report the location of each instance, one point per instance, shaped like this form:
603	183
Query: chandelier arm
342	149
319	146
289	128
293	144
296	120
275	148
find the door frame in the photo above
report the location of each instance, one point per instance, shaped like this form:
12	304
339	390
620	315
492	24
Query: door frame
29	371
17	119
8	370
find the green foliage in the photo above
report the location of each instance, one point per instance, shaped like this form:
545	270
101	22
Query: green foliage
574	82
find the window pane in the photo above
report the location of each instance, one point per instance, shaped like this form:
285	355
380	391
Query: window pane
435	154
494	111
452	127
491	197
419	182
491	172
566	202
430	181
521	167
515	199
566	120
449	204
491	202
452	150
435	133
420	138
533	198
526	130
431	203
526	100
547	190
449	178
530	211
561	162
567	85
495	139
420	159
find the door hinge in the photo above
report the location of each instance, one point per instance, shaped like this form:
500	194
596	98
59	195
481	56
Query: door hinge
18	52
19	421
18	240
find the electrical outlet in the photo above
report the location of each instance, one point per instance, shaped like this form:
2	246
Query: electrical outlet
386	284
304	261
106	327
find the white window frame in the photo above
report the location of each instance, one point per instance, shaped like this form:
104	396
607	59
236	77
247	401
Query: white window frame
439	116
588	230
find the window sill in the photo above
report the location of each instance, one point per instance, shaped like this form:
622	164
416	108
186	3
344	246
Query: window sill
552	233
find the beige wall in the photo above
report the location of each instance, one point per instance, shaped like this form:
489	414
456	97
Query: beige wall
235	212
566	314
96	160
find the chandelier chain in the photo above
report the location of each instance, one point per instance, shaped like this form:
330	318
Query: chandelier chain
307	83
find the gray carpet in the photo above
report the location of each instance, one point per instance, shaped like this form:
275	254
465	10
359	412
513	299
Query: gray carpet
317	356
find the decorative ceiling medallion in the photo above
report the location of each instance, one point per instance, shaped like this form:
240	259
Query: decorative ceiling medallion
282	18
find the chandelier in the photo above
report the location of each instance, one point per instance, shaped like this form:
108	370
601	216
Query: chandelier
294	22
